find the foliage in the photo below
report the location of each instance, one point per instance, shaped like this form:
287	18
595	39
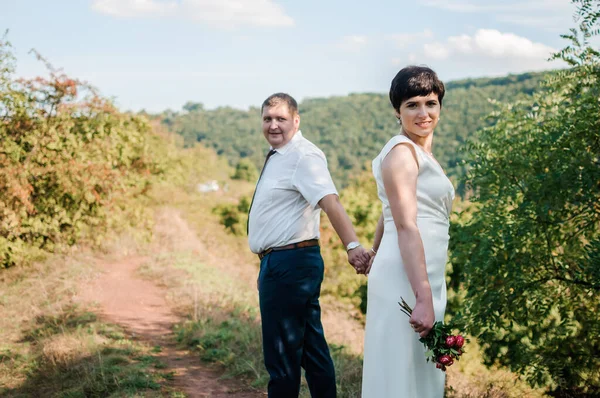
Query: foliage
68	160
352	129
527	253
234	216
245	170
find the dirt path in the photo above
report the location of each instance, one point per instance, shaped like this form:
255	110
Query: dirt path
140	307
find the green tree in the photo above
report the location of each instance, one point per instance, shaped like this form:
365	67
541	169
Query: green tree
234	217
245	170
527	253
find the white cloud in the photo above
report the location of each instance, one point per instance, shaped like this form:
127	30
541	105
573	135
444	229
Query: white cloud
489	51
495	44
489	43
509	6
436	51
462	43
550	22
353	43
220	13
540	13
134	8
403	40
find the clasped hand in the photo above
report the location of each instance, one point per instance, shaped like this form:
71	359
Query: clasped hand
359	258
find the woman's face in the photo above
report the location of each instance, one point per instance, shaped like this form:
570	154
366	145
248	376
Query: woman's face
419	115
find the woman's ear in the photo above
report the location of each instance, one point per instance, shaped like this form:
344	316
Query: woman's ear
397	114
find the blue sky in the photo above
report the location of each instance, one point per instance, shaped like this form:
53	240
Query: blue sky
159	54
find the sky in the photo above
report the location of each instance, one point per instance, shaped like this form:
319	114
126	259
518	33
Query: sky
155	55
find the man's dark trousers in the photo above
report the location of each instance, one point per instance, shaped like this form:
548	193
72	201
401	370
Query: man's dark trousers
289	285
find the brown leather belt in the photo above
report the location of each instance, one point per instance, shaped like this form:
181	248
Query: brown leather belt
298	245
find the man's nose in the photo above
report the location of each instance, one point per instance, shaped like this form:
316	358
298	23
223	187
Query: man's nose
273	125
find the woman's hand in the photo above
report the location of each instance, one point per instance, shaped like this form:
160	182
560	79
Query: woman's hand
372	254
423	317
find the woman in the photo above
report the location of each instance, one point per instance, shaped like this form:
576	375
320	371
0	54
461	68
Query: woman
411	243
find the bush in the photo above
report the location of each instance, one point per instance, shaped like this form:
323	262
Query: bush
528	255
68	159
245	170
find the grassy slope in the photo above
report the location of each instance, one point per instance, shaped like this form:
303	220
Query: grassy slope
218	297
53	347
63	350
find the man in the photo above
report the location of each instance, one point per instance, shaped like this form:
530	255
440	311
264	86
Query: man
283	229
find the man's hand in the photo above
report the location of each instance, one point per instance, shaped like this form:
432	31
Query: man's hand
359	259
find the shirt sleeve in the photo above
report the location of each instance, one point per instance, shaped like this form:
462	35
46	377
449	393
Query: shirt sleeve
312	178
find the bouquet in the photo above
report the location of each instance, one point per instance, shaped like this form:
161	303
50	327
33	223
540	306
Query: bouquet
442	347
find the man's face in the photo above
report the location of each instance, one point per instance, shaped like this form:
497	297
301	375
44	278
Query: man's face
279	125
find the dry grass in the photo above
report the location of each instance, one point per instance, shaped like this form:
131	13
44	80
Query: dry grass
469	378
51	346
211	276
211	279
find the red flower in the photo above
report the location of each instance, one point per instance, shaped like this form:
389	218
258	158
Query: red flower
445	360
442	346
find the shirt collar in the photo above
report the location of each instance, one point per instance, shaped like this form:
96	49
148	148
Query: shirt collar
284	149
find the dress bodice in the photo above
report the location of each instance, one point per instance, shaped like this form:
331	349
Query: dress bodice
435	192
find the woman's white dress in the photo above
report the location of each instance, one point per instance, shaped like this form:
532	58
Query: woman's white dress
394	359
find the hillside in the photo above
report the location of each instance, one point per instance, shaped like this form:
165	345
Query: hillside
352	129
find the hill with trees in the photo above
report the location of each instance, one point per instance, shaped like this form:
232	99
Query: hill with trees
352	129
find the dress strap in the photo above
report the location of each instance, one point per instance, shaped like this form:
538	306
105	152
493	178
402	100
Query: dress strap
395	141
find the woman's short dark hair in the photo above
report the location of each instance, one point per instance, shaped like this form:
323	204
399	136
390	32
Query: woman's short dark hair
414	81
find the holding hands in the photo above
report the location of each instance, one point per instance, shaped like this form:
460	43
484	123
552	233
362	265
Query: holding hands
359	258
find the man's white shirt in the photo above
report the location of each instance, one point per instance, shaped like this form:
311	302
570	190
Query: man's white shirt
285	208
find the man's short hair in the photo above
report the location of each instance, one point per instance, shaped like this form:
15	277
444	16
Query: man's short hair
278	99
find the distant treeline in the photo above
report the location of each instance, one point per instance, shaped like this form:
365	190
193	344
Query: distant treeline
352	129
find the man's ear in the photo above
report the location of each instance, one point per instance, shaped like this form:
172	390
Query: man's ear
297	121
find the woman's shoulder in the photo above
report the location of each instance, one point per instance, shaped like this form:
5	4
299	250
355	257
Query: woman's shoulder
392	143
